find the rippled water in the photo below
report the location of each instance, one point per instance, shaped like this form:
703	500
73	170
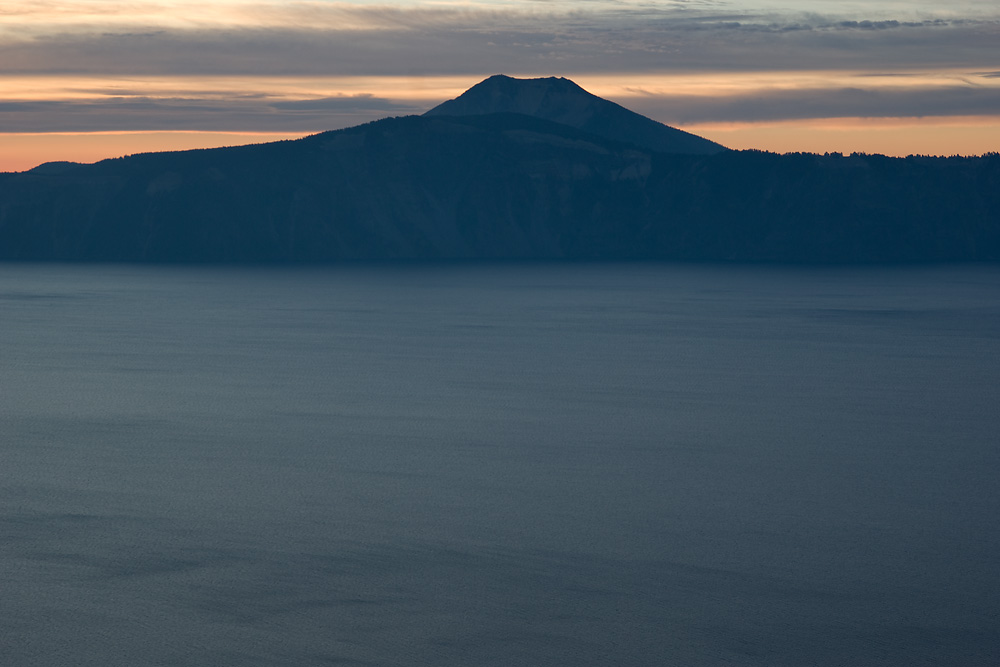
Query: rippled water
499	465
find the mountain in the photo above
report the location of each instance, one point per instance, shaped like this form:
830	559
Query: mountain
499	185
503	185
562	101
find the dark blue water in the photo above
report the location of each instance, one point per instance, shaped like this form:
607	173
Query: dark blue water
499	465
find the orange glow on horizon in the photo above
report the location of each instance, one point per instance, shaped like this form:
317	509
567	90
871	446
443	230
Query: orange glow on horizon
898	137
970	135
20	152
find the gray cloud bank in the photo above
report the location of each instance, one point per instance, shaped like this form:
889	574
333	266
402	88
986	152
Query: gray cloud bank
830	103
440	42
429	42
254	114
241	114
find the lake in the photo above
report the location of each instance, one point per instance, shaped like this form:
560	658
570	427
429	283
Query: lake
499	464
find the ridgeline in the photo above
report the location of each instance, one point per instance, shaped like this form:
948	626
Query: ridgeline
514	169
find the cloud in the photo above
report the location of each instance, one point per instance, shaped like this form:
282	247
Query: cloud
771	99
324	39
353	103
832	103
250	114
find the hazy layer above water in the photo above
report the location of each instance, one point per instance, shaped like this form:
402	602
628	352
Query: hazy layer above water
507	464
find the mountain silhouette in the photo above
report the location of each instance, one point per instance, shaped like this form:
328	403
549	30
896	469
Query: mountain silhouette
562	101
500	185
55	167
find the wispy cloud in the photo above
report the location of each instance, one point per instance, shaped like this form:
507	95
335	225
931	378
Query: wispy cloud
831	103
253	113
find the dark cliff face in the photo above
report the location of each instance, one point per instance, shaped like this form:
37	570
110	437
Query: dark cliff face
562	101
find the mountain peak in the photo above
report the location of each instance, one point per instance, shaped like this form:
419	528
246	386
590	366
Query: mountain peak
503	79
561	100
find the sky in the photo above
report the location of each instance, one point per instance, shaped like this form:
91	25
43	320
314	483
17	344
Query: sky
88	79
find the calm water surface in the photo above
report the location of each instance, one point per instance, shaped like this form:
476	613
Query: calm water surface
499	465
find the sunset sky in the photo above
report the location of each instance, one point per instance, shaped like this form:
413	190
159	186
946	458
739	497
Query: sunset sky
88	79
